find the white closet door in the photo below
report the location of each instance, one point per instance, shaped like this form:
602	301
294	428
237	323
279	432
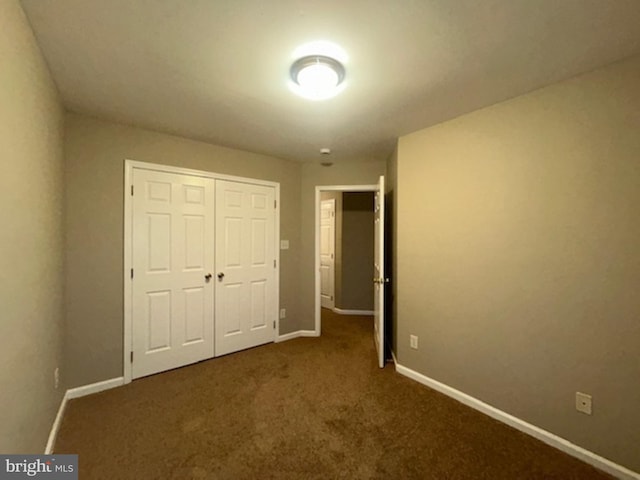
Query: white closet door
246	306
172	301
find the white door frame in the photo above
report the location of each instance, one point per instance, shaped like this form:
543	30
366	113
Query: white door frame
328	188
129	166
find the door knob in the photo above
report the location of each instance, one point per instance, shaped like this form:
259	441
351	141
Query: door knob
207	277
220	276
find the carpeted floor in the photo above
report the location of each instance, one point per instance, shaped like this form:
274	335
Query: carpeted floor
310	408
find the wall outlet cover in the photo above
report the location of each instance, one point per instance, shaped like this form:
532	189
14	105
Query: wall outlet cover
584	403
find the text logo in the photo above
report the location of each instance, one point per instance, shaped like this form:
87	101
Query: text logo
52	467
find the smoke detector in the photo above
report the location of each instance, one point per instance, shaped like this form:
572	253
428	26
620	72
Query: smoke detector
325	152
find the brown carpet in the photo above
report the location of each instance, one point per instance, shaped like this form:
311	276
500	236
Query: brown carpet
310	408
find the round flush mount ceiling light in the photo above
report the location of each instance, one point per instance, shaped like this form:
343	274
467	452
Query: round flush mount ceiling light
317	77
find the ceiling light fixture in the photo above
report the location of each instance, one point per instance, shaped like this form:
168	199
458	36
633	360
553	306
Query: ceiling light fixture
317	77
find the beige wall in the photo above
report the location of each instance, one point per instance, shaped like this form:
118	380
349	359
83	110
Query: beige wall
357	251
95	154
518	257
352	173
31	240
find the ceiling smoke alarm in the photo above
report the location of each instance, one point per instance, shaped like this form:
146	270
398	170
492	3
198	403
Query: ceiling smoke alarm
325	152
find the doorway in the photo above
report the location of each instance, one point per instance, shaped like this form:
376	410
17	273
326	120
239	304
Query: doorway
355	283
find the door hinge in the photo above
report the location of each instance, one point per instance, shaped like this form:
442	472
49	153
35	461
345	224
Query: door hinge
132	273
131	357
274	264
275	204
132	190
274	324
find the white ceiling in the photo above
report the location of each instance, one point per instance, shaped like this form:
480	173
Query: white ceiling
218	70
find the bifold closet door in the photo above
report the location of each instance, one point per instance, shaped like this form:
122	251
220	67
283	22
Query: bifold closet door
173	257
246	304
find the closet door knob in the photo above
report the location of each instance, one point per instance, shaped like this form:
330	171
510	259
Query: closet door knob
220	276
207	277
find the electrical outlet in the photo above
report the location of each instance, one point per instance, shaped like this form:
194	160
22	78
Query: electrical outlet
56	378
283	313
413	341
583	403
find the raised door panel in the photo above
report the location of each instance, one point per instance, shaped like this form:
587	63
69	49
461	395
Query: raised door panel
194	231
158	320
259	310
195	319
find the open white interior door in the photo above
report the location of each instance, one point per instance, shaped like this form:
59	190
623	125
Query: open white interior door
327	252
379	279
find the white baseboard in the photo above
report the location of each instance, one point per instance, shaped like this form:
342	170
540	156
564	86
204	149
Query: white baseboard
94	387
340	311
77	393
53	434
395	359
296	334
547	437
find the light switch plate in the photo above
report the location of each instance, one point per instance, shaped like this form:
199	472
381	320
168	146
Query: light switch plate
284	244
